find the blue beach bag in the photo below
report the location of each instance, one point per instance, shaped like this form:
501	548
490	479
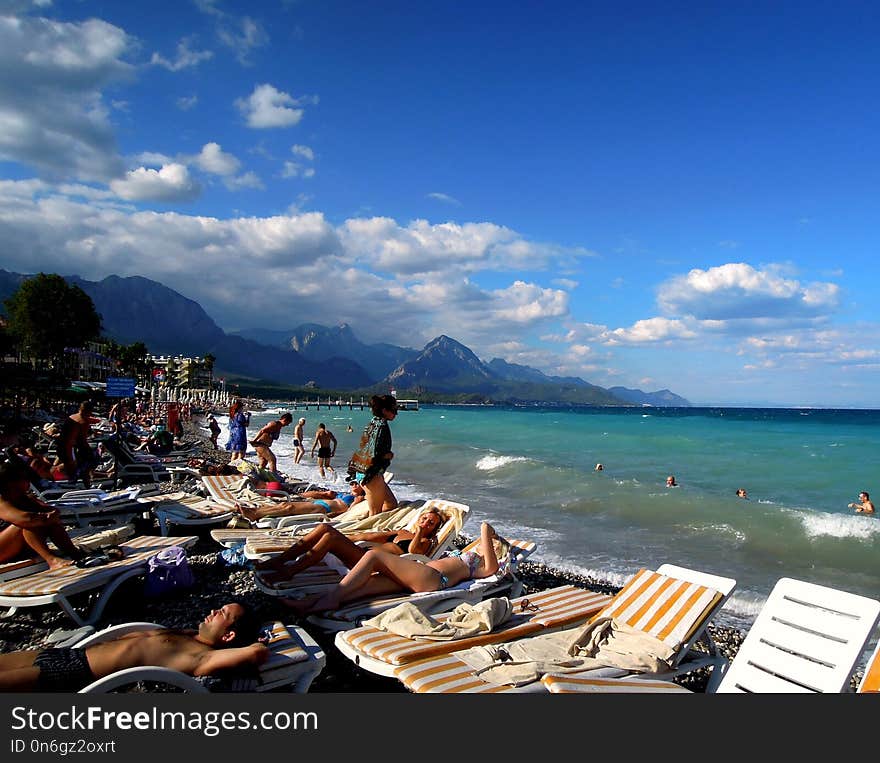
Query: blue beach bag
169	572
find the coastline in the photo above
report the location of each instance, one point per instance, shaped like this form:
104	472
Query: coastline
216	583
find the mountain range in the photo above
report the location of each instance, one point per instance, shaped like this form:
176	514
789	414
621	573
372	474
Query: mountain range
136	309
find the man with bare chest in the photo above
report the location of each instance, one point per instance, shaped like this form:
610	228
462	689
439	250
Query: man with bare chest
213	647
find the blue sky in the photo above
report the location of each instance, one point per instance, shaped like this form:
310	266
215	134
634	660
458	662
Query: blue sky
676	195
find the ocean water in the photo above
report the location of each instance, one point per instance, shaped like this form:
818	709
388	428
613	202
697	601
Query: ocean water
531	472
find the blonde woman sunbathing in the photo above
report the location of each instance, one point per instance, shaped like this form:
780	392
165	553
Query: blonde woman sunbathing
379	572
326	539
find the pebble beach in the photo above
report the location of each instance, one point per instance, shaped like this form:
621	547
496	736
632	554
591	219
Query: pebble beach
217	583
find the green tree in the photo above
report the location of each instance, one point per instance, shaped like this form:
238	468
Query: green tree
210	360
47	314
133	359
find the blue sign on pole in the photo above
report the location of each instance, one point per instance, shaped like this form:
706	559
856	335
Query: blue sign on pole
119	386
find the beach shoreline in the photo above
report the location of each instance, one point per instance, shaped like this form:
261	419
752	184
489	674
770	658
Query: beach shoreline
216	583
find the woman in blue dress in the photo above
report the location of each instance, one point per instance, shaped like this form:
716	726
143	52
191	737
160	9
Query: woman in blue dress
238	424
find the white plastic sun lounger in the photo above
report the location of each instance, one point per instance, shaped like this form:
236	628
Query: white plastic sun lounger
184	509
381	652
58	586
806	639
670	604
295	661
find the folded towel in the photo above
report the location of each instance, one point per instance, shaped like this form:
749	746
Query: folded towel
464	621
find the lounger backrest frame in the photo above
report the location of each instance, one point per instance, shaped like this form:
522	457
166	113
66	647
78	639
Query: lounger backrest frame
807	638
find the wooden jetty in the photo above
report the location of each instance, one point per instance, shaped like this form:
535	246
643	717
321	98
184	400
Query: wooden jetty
350	404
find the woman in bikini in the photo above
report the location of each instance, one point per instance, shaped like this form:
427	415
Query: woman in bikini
326	539
379	572
266	437
328	502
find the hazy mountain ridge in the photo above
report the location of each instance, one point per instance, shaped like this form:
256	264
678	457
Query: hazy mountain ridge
139	309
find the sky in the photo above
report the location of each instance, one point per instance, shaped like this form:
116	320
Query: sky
673	195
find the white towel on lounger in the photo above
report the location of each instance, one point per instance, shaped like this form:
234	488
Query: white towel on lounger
464	621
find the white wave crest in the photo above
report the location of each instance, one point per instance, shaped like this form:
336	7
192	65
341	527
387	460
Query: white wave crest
488	463
839	525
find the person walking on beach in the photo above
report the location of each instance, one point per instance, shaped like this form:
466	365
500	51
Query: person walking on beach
218	644
27	523
238	424
326	444
864	506
299	450
266	437
374	454
76	453
214	429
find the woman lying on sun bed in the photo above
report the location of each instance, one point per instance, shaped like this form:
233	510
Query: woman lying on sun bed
326	539
379	572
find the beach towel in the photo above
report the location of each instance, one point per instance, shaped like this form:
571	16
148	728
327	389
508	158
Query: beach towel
605	642
464	621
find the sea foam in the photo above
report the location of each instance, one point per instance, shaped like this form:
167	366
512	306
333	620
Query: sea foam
488	463
838	525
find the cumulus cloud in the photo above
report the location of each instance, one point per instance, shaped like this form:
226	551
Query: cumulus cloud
215	160
185	57
170	183
52	114
242	36
421	247
740	291
267	107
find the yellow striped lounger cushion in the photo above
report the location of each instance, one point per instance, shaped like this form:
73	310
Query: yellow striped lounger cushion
573	684
665	607
549	609
137	551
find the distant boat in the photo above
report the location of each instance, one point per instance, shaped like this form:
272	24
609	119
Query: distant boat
407	405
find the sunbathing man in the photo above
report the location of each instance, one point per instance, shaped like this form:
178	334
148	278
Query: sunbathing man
326	539
330	503
379	572
27	523
217	645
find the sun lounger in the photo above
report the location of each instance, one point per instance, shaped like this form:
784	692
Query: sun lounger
673	605
503	583
185	509
381	652
405	517
806	639
870	682
88	539
94	507
46	587
295	661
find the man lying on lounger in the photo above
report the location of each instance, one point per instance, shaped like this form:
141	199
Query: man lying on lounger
217	645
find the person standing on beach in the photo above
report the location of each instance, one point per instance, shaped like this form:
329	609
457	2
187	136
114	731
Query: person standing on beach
76	453
326	451
374	454
214	429
264	439
864	506
238	424
299	450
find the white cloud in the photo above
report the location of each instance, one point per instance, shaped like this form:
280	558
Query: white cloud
52	114
267	107
304	151
185	57
445	198
242	36
739	291
294	170
215	160
185	103
170	183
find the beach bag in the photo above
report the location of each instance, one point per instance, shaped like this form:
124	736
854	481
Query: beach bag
168	572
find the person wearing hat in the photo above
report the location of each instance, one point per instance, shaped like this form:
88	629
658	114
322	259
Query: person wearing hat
214	429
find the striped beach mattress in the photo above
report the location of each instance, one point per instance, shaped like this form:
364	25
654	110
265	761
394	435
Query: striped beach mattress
72	579
539	612
665	607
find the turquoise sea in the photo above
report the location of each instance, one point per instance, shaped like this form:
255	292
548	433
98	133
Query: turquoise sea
531	472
